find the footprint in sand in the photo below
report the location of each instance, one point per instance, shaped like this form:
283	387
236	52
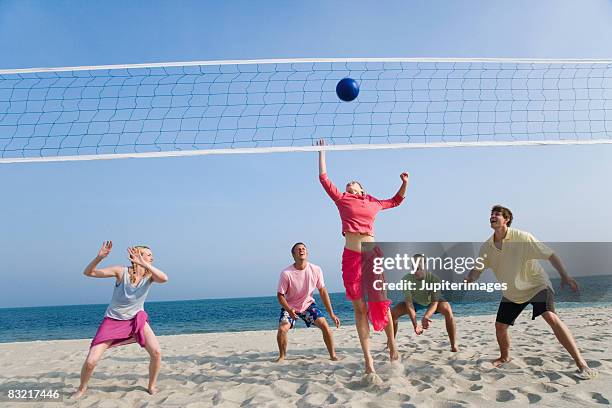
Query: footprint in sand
451	404
423	387
352	366
504	396
600	399
331	399
495	376
587	398
420	385
457	368
534	361
546	388
553	376
474	376
593	363
476	387
302	390
533	398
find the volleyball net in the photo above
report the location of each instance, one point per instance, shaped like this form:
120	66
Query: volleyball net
217	107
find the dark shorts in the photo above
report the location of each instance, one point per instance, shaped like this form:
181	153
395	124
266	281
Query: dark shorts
508	311
418	306
309	315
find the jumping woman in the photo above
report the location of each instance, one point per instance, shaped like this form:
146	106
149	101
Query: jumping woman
125	320
357	212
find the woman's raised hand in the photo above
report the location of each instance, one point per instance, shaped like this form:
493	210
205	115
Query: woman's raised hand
135	256
404	176
106	249
322	165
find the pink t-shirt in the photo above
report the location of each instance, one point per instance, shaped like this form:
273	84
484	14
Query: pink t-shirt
298	285
357	212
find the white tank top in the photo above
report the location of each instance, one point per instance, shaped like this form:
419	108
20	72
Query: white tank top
128	299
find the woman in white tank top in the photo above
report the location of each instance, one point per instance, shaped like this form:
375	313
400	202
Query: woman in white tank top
125	320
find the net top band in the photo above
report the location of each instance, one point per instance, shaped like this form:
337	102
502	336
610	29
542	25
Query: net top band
309	60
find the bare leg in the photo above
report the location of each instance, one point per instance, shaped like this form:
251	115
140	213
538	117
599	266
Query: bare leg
393	354
328	337
398	311
281	339
363	330
565	337
445	310
503	340
94	355
152	346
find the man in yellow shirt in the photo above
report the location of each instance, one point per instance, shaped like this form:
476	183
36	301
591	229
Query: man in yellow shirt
513	256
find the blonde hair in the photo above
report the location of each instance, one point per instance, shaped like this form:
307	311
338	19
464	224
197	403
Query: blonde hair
147	274
359	184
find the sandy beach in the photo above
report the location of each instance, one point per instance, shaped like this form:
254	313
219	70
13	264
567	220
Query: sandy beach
238	369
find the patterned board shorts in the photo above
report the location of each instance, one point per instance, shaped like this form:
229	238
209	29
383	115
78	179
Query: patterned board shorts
309	315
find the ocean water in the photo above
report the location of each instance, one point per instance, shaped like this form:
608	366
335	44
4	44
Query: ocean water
240	314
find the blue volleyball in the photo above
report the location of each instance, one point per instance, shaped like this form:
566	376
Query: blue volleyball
347	89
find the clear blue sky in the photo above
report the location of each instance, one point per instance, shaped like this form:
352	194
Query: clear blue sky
222	226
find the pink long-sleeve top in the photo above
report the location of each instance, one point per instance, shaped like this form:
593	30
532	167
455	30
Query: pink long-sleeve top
357	212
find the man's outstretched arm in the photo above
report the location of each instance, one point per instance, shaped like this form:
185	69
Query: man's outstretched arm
328	306
474	275
566	279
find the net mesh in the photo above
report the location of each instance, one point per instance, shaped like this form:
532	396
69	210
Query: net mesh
81	112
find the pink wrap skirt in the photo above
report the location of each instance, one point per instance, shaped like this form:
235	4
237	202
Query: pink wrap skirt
359	278
122	332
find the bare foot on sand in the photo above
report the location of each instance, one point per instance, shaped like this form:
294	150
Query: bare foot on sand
394	356
280	359
371	379
152	389
585	373
500	361
79	393
454	349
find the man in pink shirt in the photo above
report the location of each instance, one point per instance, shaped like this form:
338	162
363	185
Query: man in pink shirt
295	288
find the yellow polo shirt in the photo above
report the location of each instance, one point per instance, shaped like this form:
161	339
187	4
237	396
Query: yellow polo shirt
516	264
